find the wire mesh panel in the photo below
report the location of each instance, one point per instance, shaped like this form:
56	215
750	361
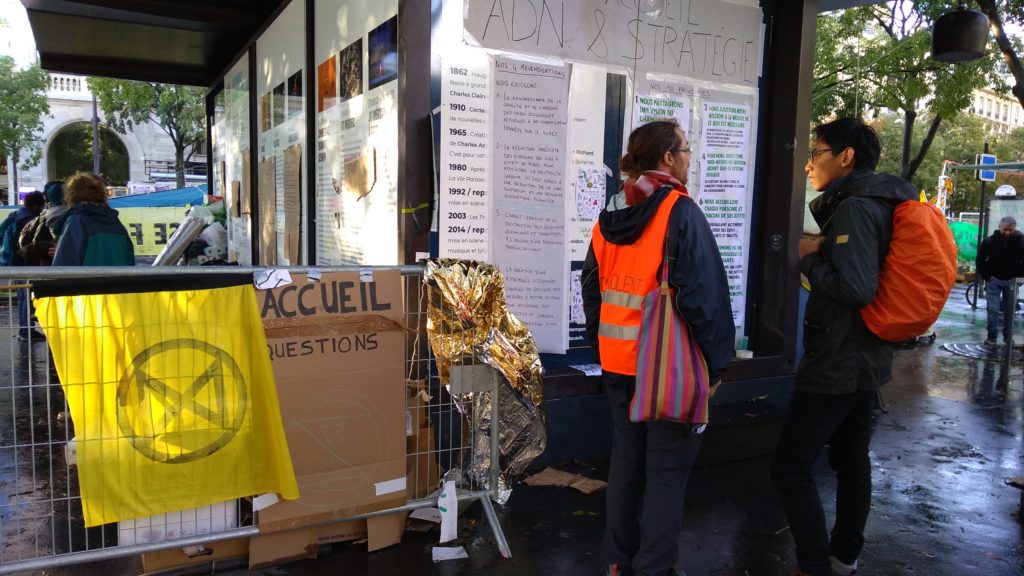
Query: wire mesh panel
42	521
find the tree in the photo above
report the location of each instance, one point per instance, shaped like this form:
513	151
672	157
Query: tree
23	108
178	110
877	59
1015	10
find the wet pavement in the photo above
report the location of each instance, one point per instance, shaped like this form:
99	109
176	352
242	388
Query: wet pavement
952	434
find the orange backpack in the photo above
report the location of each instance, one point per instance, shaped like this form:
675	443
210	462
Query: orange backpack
917	275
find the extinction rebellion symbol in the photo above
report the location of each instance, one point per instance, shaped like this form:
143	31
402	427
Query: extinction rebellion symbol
181	400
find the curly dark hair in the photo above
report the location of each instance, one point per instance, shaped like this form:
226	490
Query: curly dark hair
85	187
648	144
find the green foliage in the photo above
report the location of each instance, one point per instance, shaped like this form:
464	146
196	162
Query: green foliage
180	111
875	60
72	152
23	109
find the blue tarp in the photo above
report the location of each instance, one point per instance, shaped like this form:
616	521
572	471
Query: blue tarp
190	195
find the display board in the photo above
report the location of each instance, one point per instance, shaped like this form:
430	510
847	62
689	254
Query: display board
524	165
356	50
281	121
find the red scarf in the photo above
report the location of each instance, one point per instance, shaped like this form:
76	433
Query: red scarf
640	189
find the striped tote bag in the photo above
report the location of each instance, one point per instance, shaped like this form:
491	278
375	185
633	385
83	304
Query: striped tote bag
671	373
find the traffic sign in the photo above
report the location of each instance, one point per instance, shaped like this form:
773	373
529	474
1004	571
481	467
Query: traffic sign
985	175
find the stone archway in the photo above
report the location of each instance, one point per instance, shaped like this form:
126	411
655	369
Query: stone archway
70	150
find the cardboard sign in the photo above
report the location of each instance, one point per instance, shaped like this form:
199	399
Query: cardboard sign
150	228
338	348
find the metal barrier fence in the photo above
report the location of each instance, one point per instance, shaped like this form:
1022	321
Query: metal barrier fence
41	520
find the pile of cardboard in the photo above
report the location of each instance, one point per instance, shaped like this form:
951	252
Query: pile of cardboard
337	345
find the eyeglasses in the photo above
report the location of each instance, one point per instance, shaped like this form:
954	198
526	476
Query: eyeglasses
684	150
814	152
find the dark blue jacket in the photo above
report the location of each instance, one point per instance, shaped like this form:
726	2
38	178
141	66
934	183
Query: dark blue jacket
93	236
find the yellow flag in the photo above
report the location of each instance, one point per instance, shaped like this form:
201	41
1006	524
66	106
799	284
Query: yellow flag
171	393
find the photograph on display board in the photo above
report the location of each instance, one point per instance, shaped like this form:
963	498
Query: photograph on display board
352	70
326	84
265	112
295	94
384	53
278	102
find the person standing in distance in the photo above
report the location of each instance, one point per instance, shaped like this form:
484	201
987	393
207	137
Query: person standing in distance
651	461
1000	261
844	363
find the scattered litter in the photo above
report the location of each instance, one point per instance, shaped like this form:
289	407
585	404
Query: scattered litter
588	369
584	513
443	553
553	477
750	415
428	514
448	504
759	398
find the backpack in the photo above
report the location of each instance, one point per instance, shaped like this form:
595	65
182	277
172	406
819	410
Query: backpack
917	274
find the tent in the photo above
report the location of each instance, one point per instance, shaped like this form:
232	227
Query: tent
188	196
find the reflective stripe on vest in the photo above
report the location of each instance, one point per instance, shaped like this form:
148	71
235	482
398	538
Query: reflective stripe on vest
627	274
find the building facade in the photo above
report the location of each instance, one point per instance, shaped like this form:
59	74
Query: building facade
150	151
1002	114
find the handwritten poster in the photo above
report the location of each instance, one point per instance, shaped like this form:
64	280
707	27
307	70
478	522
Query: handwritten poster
715	41
586	182
725	176
466	107
529	164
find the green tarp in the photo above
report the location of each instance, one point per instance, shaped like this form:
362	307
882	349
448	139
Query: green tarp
966	236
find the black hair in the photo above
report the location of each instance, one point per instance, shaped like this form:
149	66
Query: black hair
33	199
852	133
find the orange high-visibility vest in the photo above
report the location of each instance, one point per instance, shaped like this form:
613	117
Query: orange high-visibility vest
628	273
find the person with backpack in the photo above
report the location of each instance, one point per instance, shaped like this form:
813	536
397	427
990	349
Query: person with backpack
10	230
37	241
659	242
1000	262
844	362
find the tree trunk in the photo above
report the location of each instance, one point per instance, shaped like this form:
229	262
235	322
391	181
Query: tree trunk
988	8
13	195
908	132
179	166
916	162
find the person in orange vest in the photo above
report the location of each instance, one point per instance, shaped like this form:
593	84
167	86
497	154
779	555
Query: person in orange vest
651	461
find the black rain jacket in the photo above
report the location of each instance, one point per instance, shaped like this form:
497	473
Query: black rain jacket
695	272
841	355
1001	257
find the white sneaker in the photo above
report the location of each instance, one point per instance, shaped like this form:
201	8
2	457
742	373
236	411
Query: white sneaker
844	569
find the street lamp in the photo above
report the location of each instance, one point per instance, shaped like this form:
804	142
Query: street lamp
960	36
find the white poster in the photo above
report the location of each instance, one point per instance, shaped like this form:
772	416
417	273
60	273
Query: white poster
466	106
586	182
713	41
530	124
725	176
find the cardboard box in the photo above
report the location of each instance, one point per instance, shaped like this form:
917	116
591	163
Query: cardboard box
379	531
421	469
268	550
338	350
175	559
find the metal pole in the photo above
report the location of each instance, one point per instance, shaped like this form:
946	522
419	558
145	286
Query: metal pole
982	225
95	138
1013	308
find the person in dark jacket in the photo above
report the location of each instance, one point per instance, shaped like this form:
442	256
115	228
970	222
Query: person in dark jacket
1000	261
37	241
91	235
651	461
843	363
10	231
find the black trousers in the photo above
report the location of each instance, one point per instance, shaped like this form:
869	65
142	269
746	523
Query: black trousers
650	464
845	423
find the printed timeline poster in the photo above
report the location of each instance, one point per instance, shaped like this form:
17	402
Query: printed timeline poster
723	191
466	105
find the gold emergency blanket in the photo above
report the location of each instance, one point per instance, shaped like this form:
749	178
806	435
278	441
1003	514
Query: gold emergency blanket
468	323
